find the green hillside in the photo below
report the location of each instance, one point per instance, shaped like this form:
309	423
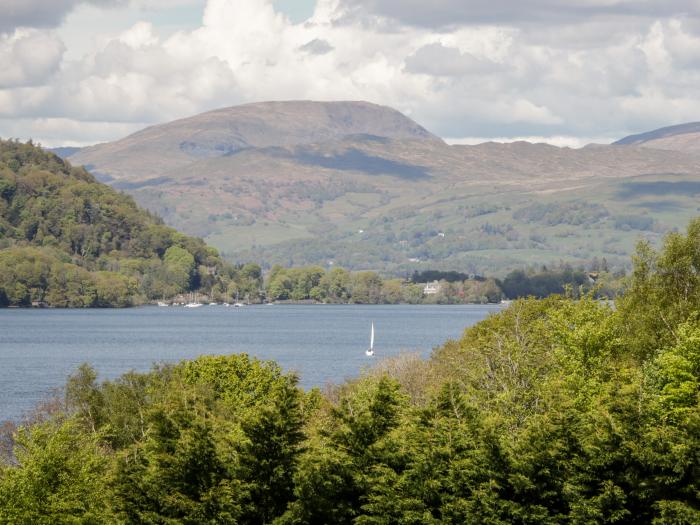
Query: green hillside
68	240
296	183
492	232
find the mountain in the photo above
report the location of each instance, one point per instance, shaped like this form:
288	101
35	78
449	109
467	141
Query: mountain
225	132
362	186
683	137
68	240
64	151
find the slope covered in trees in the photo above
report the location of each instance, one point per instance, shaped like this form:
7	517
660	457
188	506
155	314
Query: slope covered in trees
68	240
552	411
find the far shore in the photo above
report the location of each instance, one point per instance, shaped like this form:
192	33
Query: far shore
241	305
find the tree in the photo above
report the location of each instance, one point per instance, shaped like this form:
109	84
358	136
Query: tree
176	474
59	477
335	284
180	267
270	453
663	291
69	240
332	483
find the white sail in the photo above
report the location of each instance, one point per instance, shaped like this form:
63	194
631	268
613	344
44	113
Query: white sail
370	351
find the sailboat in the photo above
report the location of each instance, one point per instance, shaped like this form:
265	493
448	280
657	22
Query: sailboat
370	351
194	303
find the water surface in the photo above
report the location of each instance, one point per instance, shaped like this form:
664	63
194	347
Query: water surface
323	343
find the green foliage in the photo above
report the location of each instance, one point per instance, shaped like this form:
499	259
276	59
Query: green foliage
556	411
177	474
552	214
663	290
59	477
69	241
235	380
518	283
269	454
179	266
338	285
336	474
634	222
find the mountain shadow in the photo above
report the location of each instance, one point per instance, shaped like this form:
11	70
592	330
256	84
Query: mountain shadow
356	160
629	190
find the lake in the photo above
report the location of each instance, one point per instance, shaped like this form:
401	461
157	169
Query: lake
323	343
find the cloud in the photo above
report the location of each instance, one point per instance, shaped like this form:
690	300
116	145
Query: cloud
451	13
438	60
40	13
28	58
516	75
555	140
66	132
317	47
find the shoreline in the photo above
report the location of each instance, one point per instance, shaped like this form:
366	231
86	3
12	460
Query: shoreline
279	303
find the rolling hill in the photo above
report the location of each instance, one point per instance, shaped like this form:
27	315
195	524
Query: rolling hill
67	240
683	137
363	186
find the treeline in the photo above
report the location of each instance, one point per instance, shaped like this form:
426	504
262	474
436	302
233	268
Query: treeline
555	411
313	283
67	240
438	275
341	286
551	281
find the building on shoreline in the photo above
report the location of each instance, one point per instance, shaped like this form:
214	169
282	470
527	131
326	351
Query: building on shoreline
431	288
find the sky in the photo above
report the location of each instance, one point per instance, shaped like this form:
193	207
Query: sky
567	72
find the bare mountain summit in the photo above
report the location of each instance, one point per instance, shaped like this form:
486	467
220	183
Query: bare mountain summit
221	132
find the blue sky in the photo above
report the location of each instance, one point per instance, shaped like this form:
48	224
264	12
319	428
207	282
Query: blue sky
296	10
190	16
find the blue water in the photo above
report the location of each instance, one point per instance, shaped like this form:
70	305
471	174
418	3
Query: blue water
324	344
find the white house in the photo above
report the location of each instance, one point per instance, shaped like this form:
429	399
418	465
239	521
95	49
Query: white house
431	288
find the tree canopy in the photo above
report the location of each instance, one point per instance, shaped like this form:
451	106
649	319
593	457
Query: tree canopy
68	240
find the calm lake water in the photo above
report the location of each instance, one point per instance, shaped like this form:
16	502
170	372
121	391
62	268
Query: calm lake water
40	348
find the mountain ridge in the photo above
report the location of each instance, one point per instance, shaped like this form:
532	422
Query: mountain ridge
681	137
225	131
666	131
283	182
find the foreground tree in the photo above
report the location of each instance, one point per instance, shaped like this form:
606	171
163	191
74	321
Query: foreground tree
59	477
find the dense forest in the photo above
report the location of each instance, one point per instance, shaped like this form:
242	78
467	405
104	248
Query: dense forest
554	411
68	240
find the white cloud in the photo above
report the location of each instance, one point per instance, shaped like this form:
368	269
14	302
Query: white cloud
555	140
66	132
316	47
452	13
28	58
139	36
41	13
438	60
513	76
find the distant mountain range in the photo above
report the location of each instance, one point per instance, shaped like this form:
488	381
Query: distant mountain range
363	186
